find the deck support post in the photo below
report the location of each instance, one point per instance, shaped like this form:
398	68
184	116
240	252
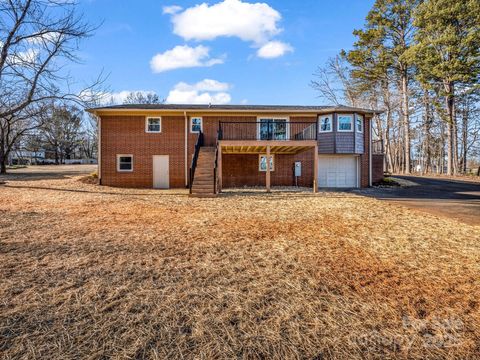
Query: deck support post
315	169
219	168
267	173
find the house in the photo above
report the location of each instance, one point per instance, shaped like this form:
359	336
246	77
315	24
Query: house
212	147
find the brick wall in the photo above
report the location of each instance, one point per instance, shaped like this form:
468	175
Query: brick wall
364	158
377	168
126	135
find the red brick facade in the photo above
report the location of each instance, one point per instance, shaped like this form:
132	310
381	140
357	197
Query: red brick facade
124	134
377	168
242	170
365	157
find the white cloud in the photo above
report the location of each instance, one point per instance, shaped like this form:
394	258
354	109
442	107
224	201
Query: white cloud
207	91
274	49
172	9
204	85
250	22
183	57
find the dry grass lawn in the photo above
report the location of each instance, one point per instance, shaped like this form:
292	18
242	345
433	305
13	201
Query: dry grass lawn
93	272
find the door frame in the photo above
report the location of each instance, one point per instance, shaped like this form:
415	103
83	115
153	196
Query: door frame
153	171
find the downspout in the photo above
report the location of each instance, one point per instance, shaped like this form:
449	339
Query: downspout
186	148
370	153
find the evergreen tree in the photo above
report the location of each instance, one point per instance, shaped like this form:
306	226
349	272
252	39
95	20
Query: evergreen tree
447	54
380	53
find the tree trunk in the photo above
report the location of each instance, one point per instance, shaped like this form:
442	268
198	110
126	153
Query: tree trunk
406	121
449	103
3	158
465	137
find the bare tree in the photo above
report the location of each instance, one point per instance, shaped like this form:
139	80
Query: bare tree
37	39
333	82
140	97
61	131
89	140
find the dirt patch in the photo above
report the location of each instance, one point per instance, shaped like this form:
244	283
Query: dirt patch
97	272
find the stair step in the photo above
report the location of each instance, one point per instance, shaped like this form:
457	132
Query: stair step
203	195
203	182
202	186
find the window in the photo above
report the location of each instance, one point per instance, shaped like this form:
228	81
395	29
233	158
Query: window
196	124
325	123
153	125
359	123
262	163
124	162
345	123
272	129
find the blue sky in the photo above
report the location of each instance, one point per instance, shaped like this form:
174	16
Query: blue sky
229	51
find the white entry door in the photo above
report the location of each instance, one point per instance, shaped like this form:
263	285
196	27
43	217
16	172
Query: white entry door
337	171
161	174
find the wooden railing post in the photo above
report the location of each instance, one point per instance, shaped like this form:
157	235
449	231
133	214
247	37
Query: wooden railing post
267	174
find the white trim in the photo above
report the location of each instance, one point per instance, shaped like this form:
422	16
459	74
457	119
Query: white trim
147	118
201	124
330	116
186	148
99	148
358	170
118	162
359	117
273	162
351	122
273	118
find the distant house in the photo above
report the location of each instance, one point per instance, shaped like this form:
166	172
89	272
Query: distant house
209	148
26	157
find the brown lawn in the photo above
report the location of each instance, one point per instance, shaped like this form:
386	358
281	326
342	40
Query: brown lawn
94	272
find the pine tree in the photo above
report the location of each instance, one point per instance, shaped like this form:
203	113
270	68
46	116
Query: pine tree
381	49
447	54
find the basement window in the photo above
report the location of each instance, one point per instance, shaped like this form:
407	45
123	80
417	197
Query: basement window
124	163
262	163
196	124
153	125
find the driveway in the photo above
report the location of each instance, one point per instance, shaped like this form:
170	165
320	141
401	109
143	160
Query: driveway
452	198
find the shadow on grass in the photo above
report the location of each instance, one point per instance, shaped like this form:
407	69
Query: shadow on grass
160	192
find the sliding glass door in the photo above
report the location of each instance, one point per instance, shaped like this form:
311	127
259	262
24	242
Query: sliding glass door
272	129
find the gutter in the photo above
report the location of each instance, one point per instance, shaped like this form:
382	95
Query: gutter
298	112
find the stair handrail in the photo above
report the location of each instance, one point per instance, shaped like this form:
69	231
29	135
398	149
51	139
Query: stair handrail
193	166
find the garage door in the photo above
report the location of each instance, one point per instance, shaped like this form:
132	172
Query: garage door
337	171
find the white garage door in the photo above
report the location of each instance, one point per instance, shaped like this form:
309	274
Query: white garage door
337	171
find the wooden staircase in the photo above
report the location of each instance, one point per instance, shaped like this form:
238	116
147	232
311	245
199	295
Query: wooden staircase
203	181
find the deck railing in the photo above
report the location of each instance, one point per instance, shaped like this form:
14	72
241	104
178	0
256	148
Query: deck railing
377	147
267	130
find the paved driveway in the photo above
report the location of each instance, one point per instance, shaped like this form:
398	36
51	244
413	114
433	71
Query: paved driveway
452	198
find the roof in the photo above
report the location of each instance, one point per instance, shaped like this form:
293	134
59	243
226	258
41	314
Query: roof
231	108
